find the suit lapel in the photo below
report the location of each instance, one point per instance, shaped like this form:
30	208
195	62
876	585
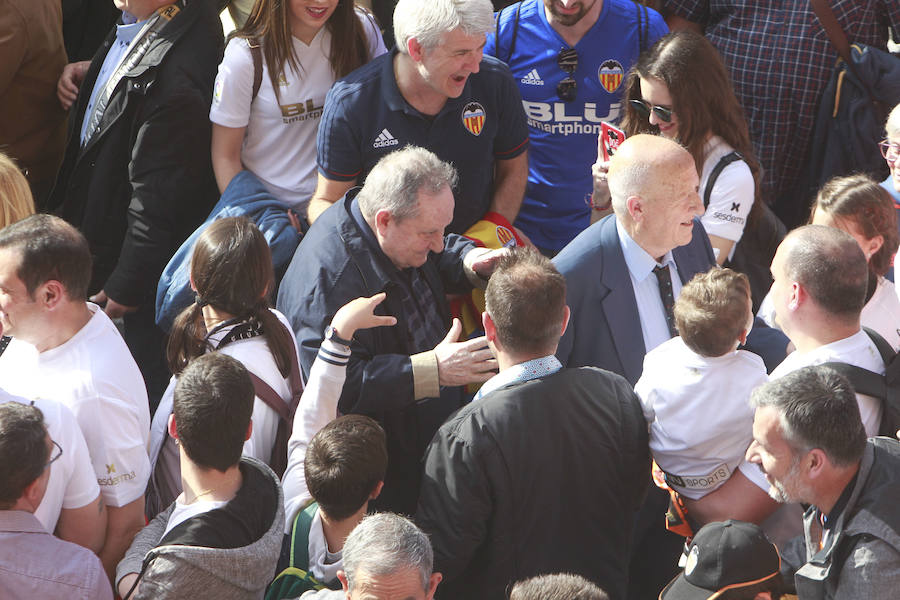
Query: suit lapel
619	304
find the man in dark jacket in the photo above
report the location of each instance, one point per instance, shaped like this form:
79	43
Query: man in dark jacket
543	471
137	178
390	238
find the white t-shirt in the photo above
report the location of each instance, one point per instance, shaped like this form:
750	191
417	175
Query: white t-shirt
280	139
255	355
698	414
881	313
72	483
183	512
857	350
94	375
732	194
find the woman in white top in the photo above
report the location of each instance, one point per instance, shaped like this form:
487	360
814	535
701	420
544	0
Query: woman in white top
681	89
231	272
858	205
305	46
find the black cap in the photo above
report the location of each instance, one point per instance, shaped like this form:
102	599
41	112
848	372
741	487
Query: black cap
724	556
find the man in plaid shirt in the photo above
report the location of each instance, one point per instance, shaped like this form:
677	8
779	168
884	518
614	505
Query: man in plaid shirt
780	60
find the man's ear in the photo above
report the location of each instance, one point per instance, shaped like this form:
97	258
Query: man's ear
50	293
344	585
173	430
415	49
382	219
432	585
376	491
34	491
797	296
565	323
249	430
636	208
817	462
490	330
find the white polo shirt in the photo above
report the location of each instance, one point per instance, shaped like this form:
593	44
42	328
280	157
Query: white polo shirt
698	414
856	350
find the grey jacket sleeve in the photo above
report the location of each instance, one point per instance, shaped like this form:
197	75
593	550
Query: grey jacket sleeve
146	540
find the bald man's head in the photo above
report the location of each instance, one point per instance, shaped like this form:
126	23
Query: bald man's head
653	183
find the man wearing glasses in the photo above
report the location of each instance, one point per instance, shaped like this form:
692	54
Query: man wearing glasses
35	563
569	58
890	150
434	90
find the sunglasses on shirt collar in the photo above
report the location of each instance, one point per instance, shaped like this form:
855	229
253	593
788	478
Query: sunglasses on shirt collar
567	89
664	113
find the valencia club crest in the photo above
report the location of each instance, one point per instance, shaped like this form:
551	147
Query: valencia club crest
473	117
610	75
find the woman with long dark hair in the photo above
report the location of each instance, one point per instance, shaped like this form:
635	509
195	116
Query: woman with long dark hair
303	47
680	89
232	275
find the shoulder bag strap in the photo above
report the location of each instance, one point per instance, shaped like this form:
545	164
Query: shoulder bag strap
833	29
717	170
300	536
515	33
265	393
256	54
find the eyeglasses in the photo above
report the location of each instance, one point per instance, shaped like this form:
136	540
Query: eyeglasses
54	454
889	150
664	113
567	59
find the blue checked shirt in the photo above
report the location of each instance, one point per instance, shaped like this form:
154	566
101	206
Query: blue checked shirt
526	371
780	60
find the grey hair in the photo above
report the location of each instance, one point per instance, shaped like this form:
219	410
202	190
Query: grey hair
629	180
817	408
395	181
385	543
429	20
892	127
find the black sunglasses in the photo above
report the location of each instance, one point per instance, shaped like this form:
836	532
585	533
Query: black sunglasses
567	59
664	113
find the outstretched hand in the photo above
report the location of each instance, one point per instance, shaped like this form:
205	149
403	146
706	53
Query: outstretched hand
486	262
360	314
464	362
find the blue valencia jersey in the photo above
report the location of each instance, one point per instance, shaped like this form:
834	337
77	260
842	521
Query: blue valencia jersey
564	134
366	117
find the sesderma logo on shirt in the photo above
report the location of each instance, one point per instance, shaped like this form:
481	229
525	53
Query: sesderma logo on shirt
532	78
385	139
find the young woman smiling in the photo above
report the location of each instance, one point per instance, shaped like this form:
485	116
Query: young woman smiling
681	89
305	46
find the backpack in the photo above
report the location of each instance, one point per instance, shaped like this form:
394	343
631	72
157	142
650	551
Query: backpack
285	410
295	579
884	387
754	252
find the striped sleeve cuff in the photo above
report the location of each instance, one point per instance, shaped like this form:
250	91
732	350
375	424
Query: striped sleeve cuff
334	353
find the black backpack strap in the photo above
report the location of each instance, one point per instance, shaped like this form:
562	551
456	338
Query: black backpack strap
884	348
256	54
643	26
714	175
863	381
515	32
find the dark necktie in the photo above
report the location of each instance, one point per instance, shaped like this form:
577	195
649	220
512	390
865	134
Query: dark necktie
665	293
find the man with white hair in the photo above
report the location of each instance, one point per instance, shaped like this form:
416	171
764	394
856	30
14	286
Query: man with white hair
437	91
389	237
385	556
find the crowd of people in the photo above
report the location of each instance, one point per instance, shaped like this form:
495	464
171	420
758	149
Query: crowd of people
334	307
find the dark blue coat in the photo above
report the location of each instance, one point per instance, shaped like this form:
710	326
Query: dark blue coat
335	264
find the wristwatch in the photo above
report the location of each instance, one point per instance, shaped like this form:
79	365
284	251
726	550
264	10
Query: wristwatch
332	334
